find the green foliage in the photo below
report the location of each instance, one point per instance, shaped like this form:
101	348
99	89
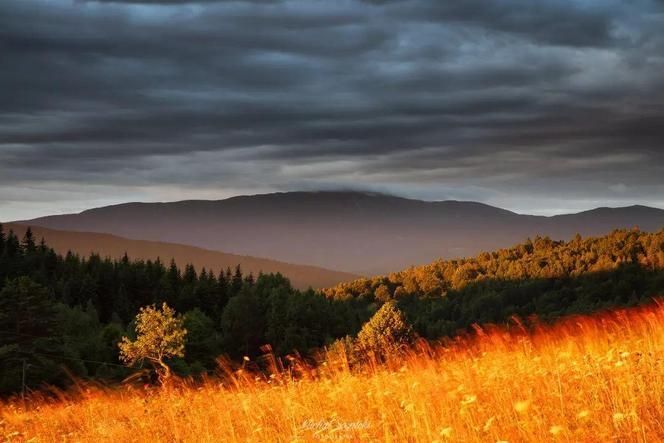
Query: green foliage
70	312
540	277
539	259
77	346
243	324
160	335
203	342
27	321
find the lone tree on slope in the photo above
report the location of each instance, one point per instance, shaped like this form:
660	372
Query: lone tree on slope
160	335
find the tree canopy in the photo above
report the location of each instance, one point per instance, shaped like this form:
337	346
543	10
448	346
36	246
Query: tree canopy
160	334
63	315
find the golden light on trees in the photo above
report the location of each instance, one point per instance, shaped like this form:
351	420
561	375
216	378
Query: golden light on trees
160	335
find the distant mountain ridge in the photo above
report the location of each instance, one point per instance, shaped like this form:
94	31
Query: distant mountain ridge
352	231
107	245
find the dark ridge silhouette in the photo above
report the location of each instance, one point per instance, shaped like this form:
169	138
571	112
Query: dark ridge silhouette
106	245
358	232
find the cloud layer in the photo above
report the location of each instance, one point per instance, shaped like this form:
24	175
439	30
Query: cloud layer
538	106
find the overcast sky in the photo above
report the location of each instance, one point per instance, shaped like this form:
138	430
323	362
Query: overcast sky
535	106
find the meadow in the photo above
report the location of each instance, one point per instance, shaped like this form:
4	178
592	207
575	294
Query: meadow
592	378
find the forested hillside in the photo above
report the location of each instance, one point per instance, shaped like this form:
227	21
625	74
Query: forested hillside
106	245
60	312
69	312
539	277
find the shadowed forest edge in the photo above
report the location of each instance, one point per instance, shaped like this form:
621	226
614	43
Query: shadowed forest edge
62	317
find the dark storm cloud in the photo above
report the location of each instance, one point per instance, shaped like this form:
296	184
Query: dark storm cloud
570	23
494	101
174	2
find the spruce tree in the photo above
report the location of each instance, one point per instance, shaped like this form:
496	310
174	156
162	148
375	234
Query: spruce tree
27	322
236	282
2	240
222	293
28	243
12	245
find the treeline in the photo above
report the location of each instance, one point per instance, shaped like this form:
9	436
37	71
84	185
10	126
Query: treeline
63	316
60	312
540	277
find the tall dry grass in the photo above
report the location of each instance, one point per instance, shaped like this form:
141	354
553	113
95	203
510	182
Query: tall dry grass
595	378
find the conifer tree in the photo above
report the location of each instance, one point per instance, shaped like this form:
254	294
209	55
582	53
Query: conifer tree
27	322
2	240
12	245
236	282
28	243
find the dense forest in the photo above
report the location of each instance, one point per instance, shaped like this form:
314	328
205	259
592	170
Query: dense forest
61	317
540	277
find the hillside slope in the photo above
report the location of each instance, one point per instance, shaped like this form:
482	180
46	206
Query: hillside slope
84	243
357	232
585	379
542	277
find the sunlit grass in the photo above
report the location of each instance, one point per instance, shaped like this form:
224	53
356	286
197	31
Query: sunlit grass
585	379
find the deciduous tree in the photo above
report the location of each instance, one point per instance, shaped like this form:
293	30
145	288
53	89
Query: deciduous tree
160	334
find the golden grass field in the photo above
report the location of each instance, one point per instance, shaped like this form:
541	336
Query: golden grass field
595	378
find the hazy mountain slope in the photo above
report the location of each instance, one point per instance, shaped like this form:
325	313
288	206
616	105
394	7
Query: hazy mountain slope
84	243
358	232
